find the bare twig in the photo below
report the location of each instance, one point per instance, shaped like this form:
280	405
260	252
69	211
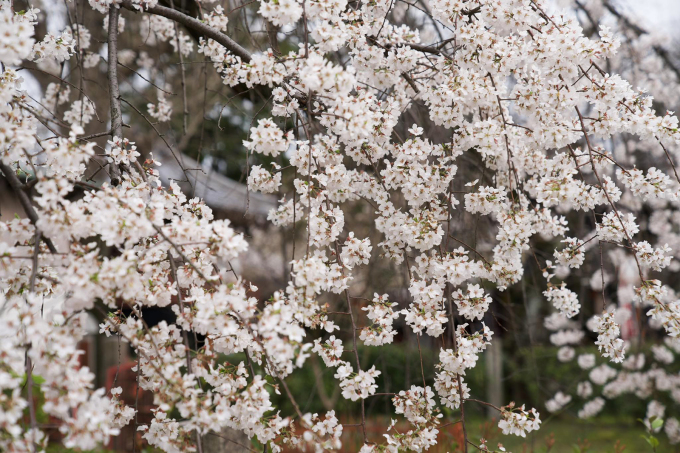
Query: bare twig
24	200
114	90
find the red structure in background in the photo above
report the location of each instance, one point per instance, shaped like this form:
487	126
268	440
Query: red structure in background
126	378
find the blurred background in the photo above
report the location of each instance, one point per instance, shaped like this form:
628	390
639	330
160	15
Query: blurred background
202	151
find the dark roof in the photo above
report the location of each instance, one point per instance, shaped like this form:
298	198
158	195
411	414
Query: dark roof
218	191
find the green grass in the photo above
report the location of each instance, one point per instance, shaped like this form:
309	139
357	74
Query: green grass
566	435
571	435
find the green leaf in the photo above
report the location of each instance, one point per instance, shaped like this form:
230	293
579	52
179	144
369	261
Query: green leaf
654	442
656	424
651	440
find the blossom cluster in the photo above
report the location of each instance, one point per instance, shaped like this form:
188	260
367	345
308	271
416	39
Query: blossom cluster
540	151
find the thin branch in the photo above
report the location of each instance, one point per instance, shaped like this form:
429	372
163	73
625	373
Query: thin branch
24	200
185	111
114	90
196	25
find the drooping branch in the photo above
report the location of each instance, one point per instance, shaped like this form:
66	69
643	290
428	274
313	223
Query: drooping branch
196	25
17	187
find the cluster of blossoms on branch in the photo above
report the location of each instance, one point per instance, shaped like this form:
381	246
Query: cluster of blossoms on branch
516	86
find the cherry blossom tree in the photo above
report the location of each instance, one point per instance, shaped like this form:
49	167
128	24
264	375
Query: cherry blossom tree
434	116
